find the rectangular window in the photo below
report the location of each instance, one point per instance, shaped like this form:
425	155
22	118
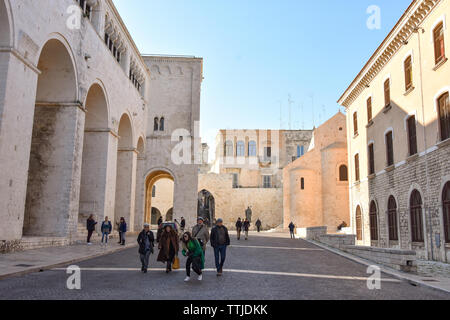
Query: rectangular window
389	149
387	92
412	137
355	123
444	116
235	180
369	110
302	183
357	178
267	153
267	182
439	44
371	159
408	73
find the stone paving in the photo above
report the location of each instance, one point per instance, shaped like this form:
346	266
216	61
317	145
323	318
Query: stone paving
267	267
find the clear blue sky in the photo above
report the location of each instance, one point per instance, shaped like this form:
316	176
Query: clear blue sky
256	52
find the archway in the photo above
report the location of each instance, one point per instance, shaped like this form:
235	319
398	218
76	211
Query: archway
5	35
51	163
159	186
125	177
95	155
156	214
206	207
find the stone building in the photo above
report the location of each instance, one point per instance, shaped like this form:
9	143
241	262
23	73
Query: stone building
315	186
78	105
398	131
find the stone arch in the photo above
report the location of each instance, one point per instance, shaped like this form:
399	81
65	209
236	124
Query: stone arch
152	178
6	36
169	215
141	146
155	215
52	162
95	154
206	207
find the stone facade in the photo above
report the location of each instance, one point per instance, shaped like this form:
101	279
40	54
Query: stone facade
315	190
411	114
77	106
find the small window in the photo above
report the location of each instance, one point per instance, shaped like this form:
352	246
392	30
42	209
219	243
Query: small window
371	157
302	183
387	92
369	110
357	177
389	149
229	149
343	173
156	124
154	192
355	123
161	124
412	137
240	149
392	219
416	217
267	153
252	149
408	73
235	180
373	221
444	116
267	182
439	44
359	235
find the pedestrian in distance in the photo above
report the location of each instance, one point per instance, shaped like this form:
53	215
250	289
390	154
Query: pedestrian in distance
292	230
182	224
90	226
122	230
168	247
246	227
195	256
258	225
201	233
220	240
106	230
239	228
146	241
160	220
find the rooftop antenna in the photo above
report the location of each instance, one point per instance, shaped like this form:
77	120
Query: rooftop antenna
290	102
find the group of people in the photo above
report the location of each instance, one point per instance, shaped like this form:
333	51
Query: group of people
192	244
106	229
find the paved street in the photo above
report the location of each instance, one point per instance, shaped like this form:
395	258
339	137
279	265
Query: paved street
265	267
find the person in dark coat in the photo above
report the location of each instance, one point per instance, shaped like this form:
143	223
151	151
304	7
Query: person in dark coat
258	225
160	221
239	228
122	230
292	229
168	247
106	230
220	240
246	227
90	226
182	224
146	241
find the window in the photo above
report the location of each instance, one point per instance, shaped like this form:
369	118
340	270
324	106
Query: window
267	181
343	173
267	153
240	149
229	148
408	73
369	110
357	167
252	149
113	48
412	137
392	219
235	180
87	9
358	224
439	44
302	183
416	217
154	192
446	211
134	79
161	124
373	221
371	155
156	124
389	149
387	93
444	116
355	123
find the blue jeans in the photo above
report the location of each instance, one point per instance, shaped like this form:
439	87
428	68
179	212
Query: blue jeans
105	236
220	254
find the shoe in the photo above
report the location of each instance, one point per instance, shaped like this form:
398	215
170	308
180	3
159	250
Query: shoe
142	269
200	277
187	279
89	244
145	270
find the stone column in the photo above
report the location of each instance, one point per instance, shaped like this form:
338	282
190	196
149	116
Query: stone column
140	193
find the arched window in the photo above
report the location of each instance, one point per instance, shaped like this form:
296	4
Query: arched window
156	124
240	149
446	211
392	219
302	183
407	65
359	235
415	207
252	149
229	148
373	221
444	116
355	123
162	124
343	173
439	44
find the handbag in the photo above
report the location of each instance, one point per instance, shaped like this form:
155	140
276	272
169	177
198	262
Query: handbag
176	263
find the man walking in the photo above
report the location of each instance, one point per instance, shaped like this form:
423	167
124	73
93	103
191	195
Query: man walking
146	241
239	228
258	225
182	224
246	227
220	240
292	229
201	233
90	226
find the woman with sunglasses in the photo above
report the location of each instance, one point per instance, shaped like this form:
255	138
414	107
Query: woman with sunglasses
195	256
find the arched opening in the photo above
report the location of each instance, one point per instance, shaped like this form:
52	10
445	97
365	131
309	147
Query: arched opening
160	187
392	219
95	156
5	35
373	221
343	173
359	232
206	207
446	211
415	208
125	172
51	164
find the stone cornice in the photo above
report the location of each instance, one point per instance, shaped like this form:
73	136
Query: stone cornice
405	27
21	58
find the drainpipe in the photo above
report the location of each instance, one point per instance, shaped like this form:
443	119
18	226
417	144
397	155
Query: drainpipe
416	30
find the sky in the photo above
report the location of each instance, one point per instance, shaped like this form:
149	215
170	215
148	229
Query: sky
257	53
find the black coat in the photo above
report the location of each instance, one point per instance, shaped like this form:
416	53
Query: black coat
141	241
239	225
90	224
214	239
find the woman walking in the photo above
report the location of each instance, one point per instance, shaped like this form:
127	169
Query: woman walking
168	247
106	230
122	230
90	226
195	256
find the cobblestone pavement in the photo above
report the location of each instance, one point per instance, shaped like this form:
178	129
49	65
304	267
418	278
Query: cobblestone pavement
265	267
